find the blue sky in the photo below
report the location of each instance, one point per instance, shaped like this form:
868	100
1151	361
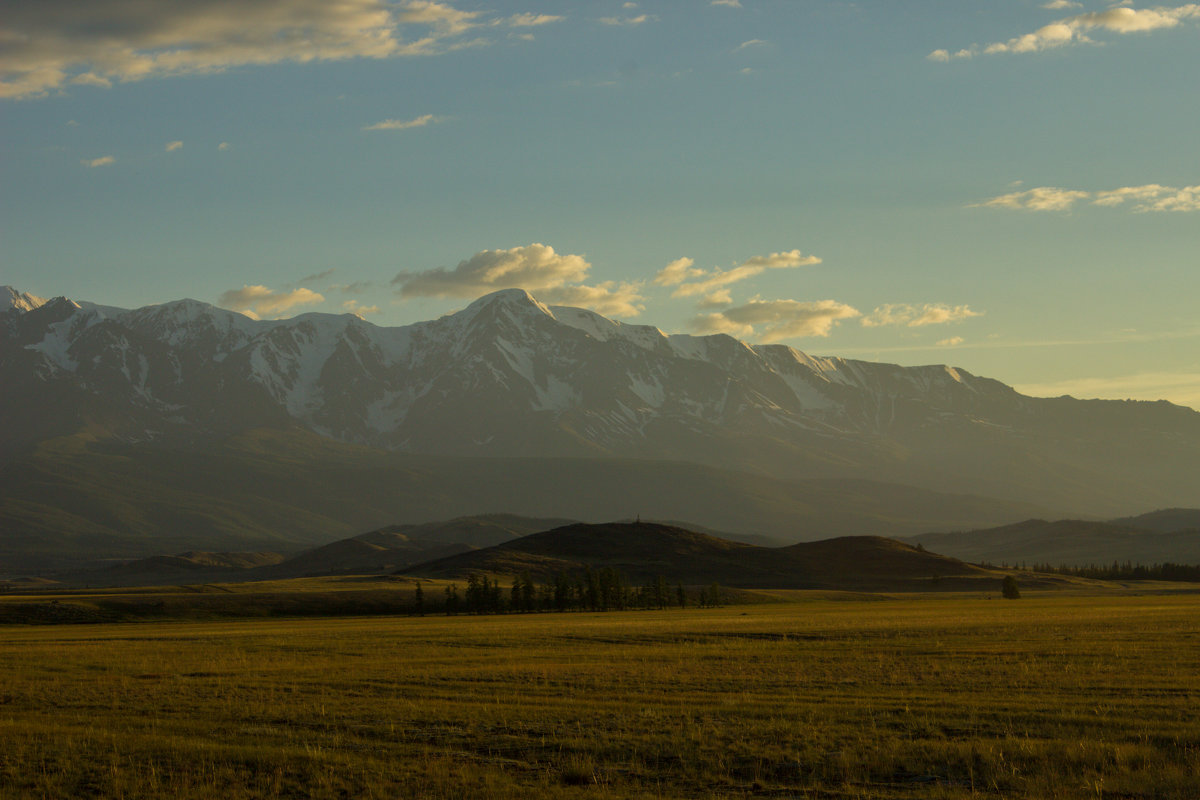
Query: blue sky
1011	187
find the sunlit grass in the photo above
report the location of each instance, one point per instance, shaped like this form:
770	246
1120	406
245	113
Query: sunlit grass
1050	696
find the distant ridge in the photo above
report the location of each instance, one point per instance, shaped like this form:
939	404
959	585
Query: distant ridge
1166	520
1073	542
77	499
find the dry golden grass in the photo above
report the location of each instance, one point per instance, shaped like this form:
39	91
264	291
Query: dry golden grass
1052	696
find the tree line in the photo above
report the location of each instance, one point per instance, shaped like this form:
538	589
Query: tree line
1186	573
604	589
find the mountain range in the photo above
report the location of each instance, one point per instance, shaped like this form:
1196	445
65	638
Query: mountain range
163	404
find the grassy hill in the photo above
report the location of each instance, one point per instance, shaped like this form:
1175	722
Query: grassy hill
643	551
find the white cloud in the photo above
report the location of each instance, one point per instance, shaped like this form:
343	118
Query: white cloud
1141	199
532	267
912	316
717	322
727	3
718	279
173	146
624	21
1043	198
721	297
361	311
607	298
223	146
953	341
1119	19
555	278
1061	5
1152	197
259	301
532	20
403	124
677	272
443	17
777	319
102	161
52	43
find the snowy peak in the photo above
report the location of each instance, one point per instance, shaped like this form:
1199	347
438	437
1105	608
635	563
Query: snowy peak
516	302
10	298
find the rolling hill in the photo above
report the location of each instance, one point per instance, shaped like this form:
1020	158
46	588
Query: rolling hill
643	551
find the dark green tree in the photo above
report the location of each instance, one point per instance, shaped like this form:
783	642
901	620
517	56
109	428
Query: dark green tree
517	601
1009	588
419	600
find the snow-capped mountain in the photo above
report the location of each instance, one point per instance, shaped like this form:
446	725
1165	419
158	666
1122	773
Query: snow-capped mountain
21	301
510	376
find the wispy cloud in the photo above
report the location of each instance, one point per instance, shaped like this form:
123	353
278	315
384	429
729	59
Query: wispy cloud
913	316
1120	19
50	44
359	310
102	161
259	301
404	124
532	20
1140	199
319	276
173	146
609	298
727	3
627	21
776	319
1061	5
692	282
677	272
750	43
953	341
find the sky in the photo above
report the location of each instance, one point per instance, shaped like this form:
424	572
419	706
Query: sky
1007	186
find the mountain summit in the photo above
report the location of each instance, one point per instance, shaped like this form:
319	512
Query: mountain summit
510	376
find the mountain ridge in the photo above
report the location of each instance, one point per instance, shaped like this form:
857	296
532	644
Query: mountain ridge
510	377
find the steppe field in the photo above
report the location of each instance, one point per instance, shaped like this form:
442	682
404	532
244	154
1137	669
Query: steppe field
1051	696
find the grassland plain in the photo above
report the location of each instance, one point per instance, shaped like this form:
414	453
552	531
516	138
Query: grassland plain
1052	696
